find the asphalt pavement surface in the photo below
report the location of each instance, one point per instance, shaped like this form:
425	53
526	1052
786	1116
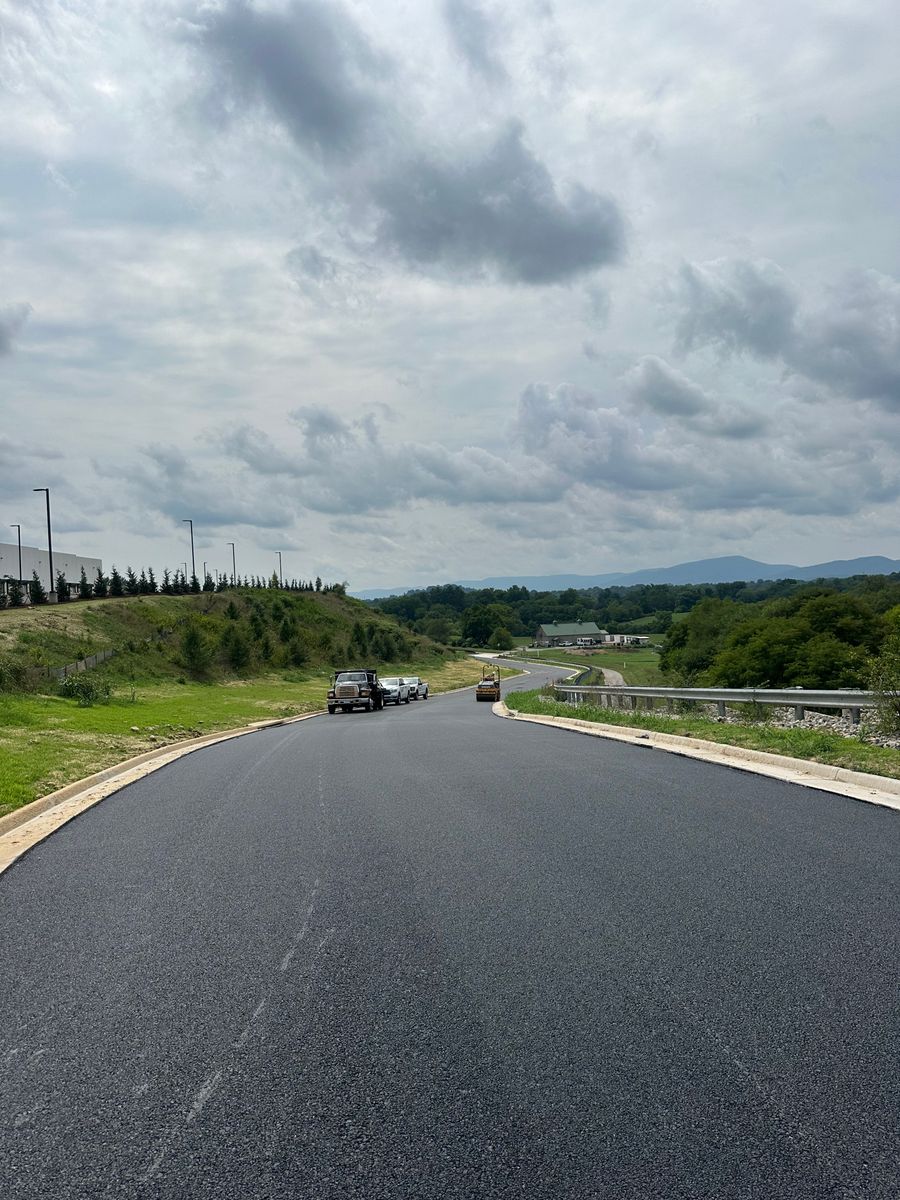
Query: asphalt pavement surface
430	953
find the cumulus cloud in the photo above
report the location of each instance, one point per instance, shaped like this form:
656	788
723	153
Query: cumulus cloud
492	211
735	305
12	319
310	64
497	211
850	342
660	387
475	38
340	466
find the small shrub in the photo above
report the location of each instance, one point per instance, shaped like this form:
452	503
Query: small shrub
86	689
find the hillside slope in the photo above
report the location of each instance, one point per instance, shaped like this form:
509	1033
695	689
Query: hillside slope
243	632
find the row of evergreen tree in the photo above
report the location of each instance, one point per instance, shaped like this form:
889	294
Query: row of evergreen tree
175	583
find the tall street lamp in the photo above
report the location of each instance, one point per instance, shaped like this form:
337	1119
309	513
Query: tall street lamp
19	528
46	492
188	521
280	580
233	565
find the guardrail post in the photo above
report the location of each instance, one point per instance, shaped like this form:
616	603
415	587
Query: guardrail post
799	712
720	707
634	702
851	715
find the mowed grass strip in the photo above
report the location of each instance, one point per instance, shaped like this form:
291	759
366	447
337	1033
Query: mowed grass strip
639	667
811	744
47	741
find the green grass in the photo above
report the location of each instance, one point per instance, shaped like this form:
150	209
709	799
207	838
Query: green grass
47	741
639	667
811	744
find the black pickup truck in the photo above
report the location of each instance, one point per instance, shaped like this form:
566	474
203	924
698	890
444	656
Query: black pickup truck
357	688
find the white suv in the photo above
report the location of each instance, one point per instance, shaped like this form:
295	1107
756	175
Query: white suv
396	690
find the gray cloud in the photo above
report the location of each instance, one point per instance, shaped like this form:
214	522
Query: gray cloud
310	64
475	38
499	211
851	342
345	467
11	321
660	387
330	282
735	305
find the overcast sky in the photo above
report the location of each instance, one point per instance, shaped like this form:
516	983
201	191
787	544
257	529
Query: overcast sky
416	291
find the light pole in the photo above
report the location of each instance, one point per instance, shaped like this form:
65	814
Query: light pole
204	572
19	529
233	565
280	580
184	572
188	521
46	492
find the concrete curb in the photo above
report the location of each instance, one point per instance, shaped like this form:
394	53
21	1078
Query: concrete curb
29	825
24	828
857	785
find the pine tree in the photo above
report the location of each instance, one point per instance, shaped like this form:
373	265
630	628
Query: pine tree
116	583
195	584
196	653
167	589
143	585
101	585
84	588
318	583
16	595
151	582
36	588
208	583
62	588
132	584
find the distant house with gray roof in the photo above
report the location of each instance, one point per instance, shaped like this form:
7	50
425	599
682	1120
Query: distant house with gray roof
552	635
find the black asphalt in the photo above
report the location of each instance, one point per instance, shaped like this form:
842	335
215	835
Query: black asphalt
429	953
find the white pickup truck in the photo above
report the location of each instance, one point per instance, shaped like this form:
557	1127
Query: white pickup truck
418	688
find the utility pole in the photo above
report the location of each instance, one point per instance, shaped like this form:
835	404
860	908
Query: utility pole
280	580
52	589
233	565
188	521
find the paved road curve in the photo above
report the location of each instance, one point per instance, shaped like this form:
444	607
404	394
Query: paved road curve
428	953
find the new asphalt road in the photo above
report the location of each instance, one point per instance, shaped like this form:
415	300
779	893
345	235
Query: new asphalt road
430	953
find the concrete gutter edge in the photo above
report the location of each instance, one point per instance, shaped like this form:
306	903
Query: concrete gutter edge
24	828
857	785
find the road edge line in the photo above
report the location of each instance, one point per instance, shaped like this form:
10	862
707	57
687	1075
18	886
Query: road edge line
49	813
856	785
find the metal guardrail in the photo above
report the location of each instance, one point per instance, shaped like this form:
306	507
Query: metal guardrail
848	701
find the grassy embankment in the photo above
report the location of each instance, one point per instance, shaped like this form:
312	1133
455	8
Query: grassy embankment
639	666
289	643
813	745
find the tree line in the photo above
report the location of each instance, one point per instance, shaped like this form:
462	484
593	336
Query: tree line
456	615
172	584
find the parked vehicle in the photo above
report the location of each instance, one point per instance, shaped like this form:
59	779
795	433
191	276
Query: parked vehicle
396	690
489	688
418	688
355	689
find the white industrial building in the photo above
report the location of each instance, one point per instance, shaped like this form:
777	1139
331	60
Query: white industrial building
35	559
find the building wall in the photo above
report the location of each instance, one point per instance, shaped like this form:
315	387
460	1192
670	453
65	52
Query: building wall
35	559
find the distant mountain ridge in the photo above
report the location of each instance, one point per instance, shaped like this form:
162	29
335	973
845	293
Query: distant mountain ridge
705	570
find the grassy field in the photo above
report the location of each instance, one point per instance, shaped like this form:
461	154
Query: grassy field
47	741
639	667
811	744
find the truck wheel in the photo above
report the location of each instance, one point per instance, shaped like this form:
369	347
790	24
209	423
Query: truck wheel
331	709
